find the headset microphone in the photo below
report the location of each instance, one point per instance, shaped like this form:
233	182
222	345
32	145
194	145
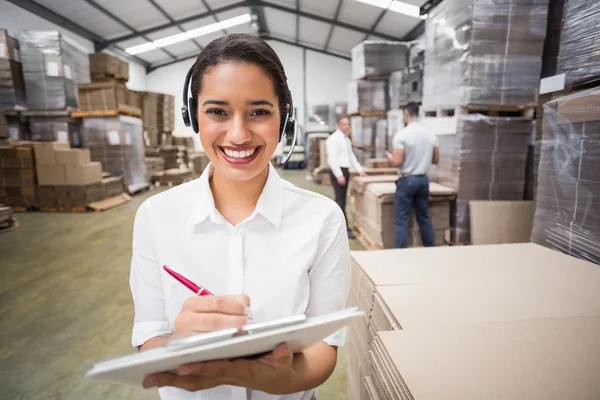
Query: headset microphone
189	113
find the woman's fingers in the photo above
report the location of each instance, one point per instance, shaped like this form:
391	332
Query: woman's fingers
233	305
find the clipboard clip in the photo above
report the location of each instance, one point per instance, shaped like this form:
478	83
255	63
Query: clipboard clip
224	334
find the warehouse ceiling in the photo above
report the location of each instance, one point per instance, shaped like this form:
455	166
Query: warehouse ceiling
157	33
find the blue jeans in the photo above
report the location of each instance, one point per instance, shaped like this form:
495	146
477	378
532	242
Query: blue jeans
412	191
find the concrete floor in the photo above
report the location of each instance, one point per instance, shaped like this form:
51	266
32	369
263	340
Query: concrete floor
65	303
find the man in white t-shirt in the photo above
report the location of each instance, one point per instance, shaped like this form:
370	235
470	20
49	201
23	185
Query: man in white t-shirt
415	149
340	158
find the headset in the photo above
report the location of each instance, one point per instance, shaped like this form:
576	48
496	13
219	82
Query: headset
189	112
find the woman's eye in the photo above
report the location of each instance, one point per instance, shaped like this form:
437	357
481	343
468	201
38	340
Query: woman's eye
216	111
259	113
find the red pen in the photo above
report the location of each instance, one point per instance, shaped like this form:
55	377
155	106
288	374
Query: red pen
199	290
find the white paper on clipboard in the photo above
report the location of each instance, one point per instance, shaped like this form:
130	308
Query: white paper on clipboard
134	368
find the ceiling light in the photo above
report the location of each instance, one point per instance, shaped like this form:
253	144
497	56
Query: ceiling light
397	6
194	33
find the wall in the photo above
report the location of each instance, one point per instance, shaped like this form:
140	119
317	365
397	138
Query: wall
15	19
326	77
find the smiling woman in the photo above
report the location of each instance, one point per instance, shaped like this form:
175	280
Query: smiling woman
257	242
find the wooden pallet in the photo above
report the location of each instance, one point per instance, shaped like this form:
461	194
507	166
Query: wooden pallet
369	114
122	110
98	206
527	111
20	209
8	225
367	243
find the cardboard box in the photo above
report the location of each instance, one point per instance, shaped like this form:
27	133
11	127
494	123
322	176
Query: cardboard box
83	174
104	64
72	156
9	46
51	175
17	181
106	96
45	152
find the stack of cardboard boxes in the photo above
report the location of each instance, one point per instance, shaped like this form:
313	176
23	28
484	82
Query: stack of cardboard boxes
154	165
158	114
104	67
12	86
172	177
17	176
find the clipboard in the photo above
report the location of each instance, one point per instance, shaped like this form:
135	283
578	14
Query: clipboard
299	332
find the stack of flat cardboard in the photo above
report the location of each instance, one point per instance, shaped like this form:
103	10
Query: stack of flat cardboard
12	86
158	113
314	151
80	195
378	58
369	134
55	129
110	95
17	176
374	211
567	212
579	44
171	156
405	86
410	291
485	159
118	144
483	53
154	165
377	163
476	362
104	67
53	65
59	165
174	176
367	96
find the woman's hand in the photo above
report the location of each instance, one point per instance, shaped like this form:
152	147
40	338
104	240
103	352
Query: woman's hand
273	374
210	313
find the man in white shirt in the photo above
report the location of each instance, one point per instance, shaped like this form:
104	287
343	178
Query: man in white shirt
415	149
340	158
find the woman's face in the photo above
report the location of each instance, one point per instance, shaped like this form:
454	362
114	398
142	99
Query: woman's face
238	119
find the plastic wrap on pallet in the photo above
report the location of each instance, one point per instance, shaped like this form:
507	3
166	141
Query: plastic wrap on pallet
367	96
395	123
118	144
381	138
52	67
484	52
12	86
484	160
405	86
579	52
416	54
567	212
55	129
378	58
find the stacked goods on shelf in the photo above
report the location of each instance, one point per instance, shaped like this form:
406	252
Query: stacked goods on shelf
484	160
109	95
55	129
53	65
374	211
406	85
117	143
158	115
17	176
567	211
153	165
104	67
579	45
394	125
185	141
172	177
369	137
377	59
199	163
409	296
171	156
483	53
12	86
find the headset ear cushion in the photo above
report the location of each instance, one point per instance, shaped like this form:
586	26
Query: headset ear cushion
193	107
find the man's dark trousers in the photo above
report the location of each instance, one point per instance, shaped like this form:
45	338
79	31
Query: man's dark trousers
412	191
341	191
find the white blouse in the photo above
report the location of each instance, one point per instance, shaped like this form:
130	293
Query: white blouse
291	256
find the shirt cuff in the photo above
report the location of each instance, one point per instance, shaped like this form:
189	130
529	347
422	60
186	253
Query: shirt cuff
144	331
337	339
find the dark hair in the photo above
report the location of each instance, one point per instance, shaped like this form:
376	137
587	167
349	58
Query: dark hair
412	109
242	48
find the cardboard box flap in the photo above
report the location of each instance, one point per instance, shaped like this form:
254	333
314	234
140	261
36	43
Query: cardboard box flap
494	222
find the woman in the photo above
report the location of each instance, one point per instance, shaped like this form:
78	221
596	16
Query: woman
251	238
